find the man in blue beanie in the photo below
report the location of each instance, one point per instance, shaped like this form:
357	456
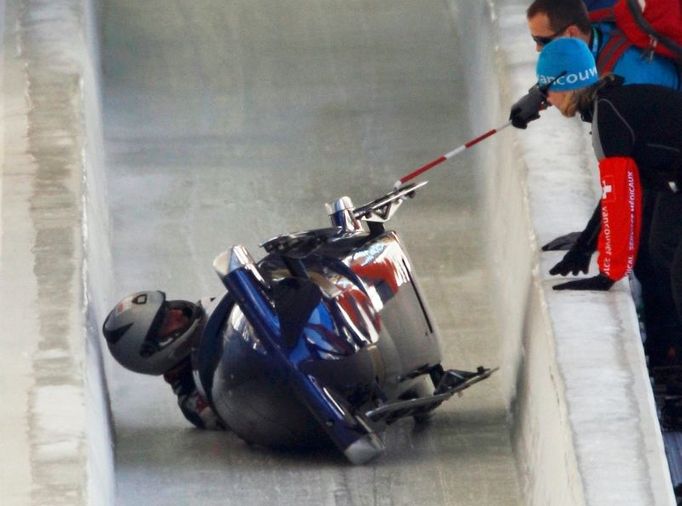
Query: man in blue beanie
552	19
565	66
637	138
549	20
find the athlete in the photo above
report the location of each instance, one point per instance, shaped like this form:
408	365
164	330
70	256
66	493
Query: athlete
147	334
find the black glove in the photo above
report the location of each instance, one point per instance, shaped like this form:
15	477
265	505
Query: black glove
575	261
563	242
528	107
598	283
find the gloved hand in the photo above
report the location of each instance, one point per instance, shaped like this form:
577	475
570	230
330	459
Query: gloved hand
598	283
575	261
197	410
563	242
528	107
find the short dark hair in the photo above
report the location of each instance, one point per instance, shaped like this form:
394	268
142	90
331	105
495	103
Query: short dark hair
562	13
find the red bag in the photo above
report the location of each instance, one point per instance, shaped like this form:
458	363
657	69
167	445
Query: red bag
652	25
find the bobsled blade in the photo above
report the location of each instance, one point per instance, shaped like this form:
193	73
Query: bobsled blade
409	407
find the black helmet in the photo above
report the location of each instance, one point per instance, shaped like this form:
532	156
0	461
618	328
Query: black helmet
132	331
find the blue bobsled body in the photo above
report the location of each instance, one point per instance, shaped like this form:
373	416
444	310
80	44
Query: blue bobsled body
327	337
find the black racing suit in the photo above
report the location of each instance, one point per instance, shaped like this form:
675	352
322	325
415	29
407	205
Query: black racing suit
181	379
637	137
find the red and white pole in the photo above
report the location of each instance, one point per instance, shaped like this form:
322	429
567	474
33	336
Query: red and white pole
448	155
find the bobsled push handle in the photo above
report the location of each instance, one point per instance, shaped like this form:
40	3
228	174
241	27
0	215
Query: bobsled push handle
382	209
301	244
358	442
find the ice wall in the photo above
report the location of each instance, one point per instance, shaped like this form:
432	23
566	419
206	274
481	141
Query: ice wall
55	441
97	266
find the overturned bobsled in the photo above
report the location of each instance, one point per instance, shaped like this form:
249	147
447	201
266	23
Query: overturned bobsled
326	337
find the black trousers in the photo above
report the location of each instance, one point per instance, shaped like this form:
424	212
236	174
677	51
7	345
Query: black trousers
660	274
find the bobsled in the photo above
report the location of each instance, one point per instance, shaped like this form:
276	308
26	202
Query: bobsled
328	337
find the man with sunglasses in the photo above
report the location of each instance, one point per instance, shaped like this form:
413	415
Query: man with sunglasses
148	334
551	19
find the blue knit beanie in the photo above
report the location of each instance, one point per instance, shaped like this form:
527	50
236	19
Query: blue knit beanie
571	57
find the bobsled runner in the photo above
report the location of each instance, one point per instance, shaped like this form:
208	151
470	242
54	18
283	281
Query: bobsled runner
327	337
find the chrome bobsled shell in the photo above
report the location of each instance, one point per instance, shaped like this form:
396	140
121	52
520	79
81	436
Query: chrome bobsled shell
322	350
257	401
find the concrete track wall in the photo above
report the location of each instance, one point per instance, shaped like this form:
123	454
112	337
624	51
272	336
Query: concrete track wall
55	258
97	273
55	441
542	438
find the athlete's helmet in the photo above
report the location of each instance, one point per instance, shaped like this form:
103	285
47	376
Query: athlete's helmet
140	336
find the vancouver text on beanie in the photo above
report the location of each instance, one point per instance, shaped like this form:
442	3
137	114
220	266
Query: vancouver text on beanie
568	64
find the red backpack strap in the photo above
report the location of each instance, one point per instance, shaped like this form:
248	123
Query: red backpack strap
602	15
656	26
612	51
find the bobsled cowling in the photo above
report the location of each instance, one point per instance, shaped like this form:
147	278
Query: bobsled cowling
328	336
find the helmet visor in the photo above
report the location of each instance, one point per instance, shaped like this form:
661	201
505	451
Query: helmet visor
176	320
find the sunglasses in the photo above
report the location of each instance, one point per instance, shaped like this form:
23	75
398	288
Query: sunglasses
544	89
543	41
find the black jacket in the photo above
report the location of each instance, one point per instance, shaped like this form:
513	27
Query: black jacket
637	138
641	121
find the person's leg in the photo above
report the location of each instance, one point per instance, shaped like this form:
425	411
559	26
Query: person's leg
676	277
664	346
645	297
